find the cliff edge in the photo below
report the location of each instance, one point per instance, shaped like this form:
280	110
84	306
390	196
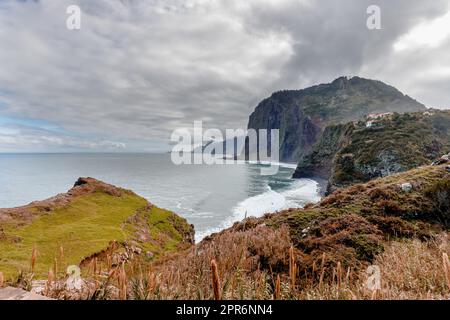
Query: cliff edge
91	220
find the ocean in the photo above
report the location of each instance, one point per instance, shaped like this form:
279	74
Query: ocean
211	197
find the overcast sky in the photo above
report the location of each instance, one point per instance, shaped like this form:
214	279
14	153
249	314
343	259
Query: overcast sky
136	70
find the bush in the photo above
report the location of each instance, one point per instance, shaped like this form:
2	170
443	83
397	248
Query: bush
439	193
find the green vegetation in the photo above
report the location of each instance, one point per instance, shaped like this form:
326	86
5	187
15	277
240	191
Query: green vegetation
302	115
319	252
351	224
439	192
86	226
354	153
159	230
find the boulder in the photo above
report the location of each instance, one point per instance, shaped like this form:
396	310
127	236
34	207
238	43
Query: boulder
444	159
406	187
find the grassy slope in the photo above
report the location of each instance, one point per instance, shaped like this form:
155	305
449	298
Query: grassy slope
351	224
84	227
365	224
331	244
166	230
353	154
410	140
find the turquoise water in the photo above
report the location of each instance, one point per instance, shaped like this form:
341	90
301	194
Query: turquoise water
209	197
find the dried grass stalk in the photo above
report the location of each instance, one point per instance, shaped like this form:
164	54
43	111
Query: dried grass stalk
215	279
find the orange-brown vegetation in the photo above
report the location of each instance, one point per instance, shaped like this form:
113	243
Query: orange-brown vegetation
320	252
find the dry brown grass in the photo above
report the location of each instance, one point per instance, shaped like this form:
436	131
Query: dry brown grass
33	258
317	253
411	270
247	262
446	267
237	266
415	270
215	280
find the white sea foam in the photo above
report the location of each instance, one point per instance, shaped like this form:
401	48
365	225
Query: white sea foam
273	163
301	192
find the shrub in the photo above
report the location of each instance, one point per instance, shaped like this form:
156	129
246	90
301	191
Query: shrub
439	193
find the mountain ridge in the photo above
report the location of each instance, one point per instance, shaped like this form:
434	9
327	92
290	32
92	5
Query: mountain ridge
302	115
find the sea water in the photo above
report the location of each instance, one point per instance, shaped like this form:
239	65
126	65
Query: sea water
211	197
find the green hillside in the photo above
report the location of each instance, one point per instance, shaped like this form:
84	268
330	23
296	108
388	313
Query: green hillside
91	218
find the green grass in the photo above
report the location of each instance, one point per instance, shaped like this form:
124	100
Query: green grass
83	227
165	228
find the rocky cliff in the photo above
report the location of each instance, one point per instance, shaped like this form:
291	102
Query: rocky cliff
302	115
358	152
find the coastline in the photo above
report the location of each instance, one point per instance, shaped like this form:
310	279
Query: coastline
301	193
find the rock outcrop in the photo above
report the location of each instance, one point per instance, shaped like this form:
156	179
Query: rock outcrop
82	187
444	159
354	153
302	115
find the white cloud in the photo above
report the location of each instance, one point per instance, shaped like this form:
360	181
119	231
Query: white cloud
429	33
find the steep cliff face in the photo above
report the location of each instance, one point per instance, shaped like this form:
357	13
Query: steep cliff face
302	115
354	153
298	131
318	163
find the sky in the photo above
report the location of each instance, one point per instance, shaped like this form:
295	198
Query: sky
138	69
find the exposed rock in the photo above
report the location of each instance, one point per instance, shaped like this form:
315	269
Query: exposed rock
444	159
302	115
298	131
10	293
82	186
74	281
319	162
406	187
344	157
135	250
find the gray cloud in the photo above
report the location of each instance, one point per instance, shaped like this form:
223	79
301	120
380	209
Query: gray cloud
139	69
20	138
